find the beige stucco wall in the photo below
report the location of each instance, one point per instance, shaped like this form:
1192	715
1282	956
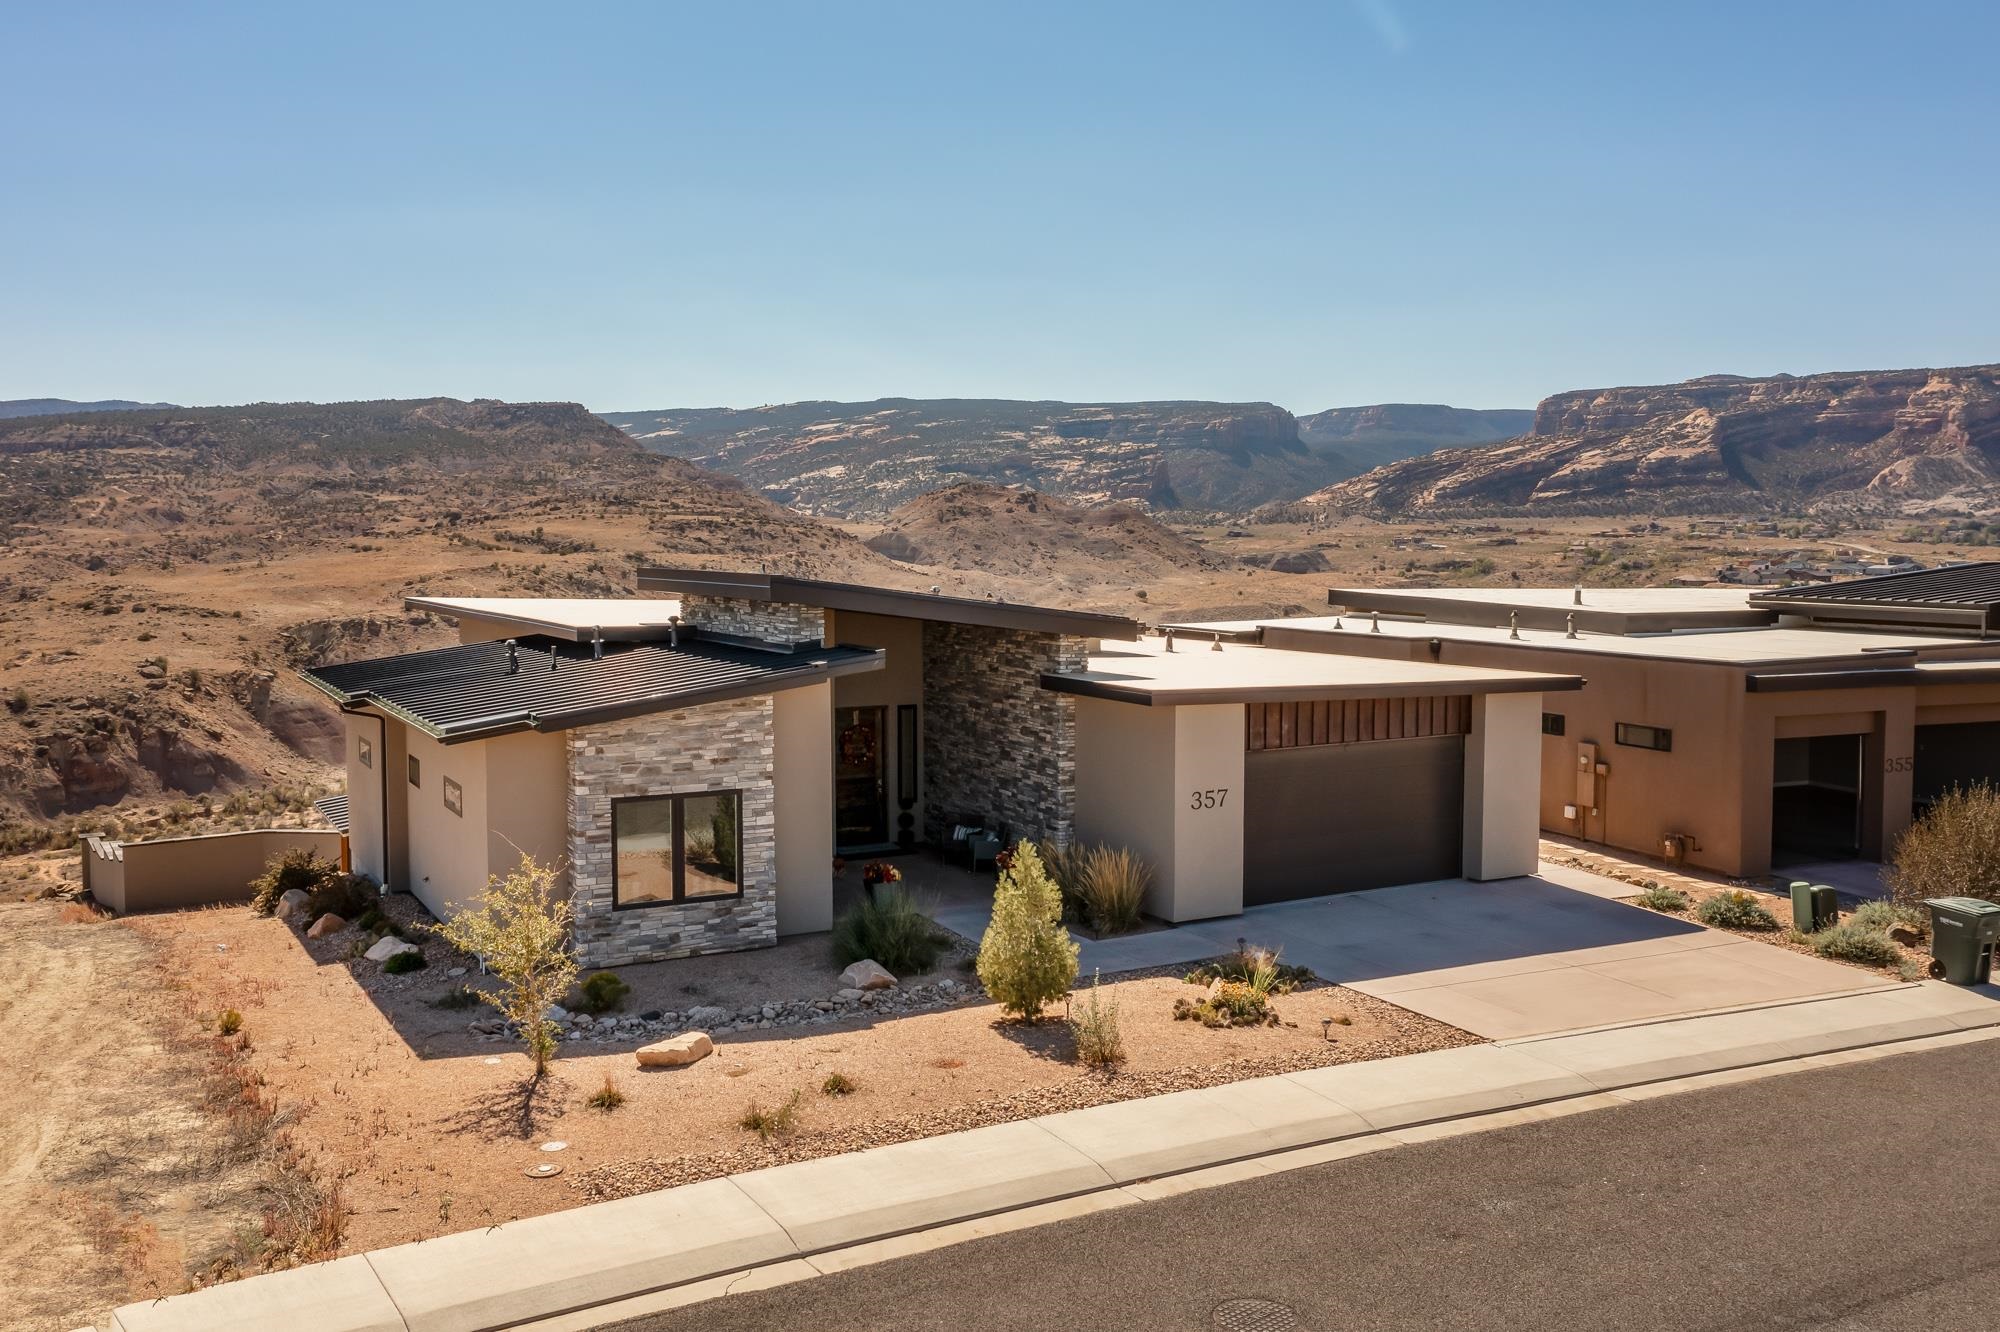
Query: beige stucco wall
177	872
899	682
1124	787
802	768
1135	768
366	847
1503	760
527	799
477	629
447	852
1209	742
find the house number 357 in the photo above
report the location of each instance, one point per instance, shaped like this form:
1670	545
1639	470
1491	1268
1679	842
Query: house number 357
1215	797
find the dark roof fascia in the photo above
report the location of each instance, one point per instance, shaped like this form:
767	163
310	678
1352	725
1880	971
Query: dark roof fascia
1788	681
1490	614
863	600
1920	614
1150	698
1299	639
508	723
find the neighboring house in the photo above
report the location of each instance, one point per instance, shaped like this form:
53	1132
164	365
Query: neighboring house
1739	729
694	766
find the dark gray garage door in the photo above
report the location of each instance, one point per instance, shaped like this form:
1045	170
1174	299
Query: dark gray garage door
1958	754
1333	818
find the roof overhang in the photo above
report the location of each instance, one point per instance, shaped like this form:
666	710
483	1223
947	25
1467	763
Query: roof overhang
860	599
1779	682
1421	604
575	620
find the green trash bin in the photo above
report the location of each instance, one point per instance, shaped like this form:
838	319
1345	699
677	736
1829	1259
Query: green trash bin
1964	931
1814	907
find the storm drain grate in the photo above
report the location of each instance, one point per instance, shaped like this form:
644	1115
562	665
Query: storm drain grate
1254	1316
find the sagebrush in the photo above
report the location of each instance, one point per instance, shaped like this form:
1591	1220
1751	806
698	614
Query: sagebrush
1851	941
1952	851
1735	910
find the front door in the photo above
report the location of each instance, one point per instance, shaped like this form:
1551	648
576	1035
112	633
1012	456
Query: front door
860	788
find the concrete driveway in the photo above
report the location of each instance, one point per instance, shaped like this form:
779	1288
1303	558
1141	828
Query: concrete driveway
1518	957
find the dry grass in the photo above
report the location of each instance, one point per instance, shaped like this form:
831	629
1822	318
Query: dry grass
608	1097
770	1123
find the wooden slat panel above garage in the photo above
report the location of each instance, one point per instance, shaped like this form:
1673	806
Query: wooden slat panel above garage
1347	721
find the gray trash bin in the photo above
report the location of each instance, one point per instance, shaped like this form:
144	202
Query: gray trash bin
1964	931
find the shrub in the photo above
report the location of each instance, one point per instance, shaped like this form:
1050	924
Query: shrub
1064	864
607	1098
1952	851
371	921
1850	941
345	895
403	963
302	869
1659	897
837	1084
1260	968
1026	957
18	701
1094	1023
601	992
228	1022
1735	910
1886	914
775	1122
1111	888
520	929
887	927
1228	1004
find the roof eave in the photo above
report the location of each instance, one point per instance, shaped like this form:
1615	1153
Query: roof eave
1150	697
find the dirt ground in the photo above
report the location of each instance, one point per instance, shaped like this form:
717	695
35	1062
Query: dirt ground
125	1169
430	1130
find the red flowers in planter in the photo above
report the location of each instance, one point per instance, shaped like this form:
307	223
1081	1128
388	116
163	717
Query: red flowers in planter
880	871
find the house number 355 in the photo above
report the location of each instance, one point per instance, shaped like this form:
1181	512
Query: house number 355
1215	797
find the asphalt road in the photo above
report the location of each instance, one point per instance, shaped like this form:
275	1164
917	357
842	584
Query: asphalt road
1862	1199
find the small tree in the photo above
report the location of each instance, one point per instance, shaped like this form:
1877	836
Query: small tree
1952	851
1026	958
520	931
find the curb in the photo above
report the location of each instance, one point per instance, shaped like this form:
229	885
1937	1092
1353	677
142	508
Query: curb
563	1269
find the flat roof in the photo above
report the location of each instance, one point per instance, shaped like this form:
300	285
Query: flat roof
468	692
1146	673
573	618
988	612
1960	595
1608	609
1769	646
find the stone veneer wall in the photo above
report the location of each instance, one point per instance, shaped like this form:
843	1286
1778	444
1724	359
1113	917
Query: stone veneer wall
713	747
773	621
996	744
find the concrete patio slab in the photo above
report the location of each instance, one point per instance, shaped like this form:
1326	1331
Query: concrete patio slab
1188	1130
865	1195
341	1296
1395	1093
547	1265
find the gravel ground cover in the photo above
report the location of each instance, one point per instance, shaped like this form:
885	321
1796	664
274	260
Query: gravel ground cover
430	1125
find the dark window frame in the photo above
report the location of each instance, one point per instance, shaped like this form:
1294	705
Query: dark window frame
677	838
415	770
1555	723
1661	742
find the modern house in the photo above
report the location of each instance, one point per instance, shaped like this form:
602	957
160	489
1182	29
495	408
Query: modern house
1736	729
694	765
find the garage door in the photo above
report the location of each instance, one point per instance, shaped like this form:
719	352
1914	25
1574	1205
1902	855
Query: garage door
1333	818
1957	754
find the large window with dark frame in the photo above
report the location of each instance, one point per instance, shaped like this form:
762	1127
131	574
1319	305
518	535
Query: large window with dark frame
1644	737
676	848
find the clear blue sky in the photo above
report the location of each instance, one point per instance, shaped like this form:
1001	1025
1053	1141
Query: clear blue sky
1318	205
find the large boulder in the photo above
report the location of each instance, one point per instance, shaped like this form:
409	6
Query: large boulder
675	1051
292	904
388	946
867	974
325	925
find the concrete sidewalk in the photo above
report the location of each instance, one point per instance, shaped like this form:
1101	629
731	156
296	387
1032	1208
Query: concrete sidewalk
546	1266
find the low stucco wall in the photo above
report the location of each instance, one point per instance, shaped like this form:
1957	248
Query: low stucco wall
177	872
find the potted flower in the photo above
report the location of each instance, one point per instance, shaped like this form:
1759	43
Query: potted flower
878	874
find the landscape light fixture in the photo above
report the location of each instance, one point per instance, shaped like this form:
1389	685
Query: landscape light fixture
1326	1028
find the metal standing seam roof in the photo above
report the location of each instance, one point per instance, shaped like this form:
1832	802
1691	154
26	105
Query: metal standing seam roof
467	692
1955	595
333	809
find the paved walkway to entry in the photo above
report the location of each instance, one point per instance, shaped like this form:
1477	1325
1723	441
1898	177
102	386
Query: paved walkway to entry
1517	957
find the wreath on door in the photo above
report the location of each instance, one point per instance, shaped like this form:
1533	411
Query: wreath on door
857	746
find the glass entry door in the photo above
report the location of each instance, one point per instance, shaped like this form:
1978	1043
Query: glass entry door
860	785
